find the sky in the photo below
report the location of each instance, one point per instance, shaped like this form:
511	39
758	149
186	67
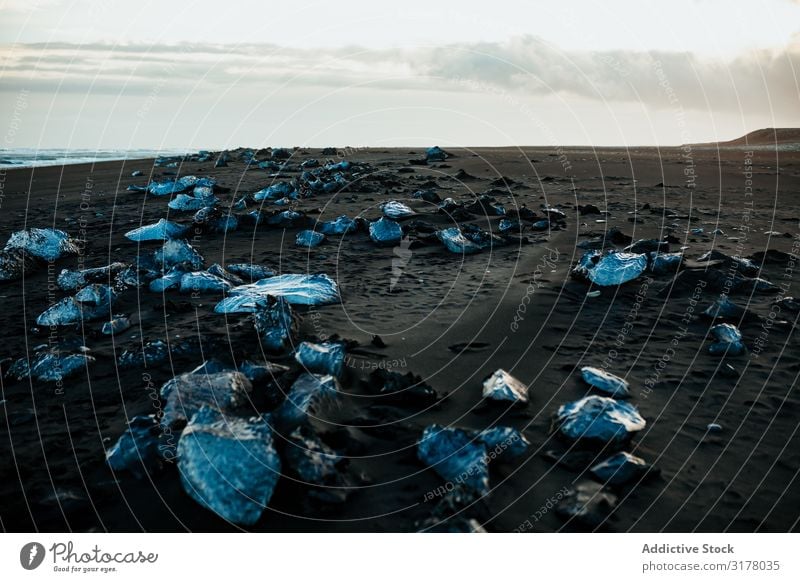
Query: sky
211	74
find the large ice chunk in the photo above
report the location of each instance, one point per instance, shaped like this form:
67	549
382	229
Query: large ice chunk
228	465
47	244
599	419
317	289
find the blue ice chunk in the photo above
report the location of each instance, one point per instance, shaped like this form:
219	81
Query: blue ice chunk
203	282
665	263
341	225
162	230
729	340
178	251
171	186
204	189
274	324
309	395
152	353
56	367
507	225
277	190
242	303
331	186
342	166
133	277
47	244
184	203
457	456
397	210
455	241
599	419
229	465
170	280
585	264
503	386
324	358
116	325
250	272
435	154
73	280
541	225
619	469
309	238
317	289
503	442
483	239
606	382
90	303
50	366
15	263
724	308
257	373
140	448
216	220
285	218
617	268
725	332
385	231
220	271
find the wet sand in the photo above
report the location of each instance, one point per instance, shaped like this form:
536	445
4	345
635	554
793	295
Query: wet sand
516	304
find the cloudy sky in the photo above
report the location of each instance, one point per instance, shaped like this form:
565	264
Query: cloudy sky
214	74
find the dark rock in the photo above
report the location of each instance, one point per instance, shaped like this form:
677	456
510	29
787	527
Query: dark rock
587	505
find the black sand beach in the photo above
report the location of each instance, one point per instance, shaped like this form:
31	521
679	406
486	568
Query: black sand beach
452	319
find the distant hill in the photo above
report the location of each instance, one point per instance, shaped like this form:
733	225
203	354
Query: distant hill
769	136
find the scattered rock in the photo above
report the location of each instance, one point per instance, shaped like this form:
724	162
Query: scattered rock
587	505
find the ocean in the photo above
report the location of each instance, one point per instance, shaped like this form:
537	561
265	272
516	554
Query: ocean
32	157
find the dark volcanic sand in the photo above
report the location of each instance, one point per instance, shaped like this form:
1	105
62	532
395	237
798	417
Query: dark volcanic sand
740	479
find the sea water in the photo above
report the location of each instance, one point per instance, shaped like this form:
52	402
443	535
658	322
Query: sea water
33	157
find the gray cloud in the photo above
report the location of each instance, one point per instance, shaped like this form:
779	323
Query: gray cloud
761	80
